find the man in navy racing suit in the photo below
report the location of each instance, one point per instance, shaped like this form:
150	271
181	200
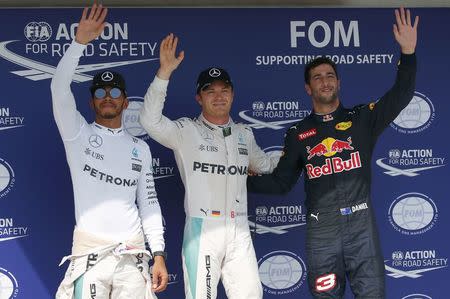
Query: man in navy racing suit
333	147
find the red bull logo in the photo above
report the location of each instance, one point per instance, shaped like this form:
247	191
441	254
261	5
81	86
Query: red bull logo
334	165
329	147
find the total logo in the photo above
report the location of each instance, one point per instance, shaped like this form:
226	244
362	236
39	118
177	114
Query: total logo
412	264
416	117
328	148
273	114
7	178
413	213
9	231
278	219
281	272
9	288
9	120
409	162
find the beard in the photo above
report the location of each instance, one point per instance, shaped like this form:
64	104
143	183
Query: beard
108	114
325	100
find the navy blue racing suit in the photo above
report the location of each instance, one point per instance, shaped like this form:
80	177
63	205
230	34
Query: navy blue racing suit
334	151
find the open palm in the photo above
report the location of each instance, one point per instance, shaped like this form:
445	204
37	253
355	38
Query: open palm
92	25
405	33
167	56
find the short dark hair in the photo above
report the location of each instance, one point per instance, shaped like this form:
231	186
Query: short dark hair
315	63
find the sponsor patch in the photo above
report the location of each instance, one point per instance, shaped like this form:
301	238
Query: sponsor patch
136	167
334	165
355	208
327	117
329	147
342	126
243	151
325	282
208	276
307	134
372	105
346	211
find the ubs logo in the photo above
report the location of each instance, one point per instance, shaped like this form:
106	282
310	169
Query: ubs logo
208	148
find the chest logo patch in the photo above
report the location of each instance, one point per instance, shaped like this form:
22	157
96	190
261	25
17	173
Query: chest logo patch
329	147
95	140
307	134
342	126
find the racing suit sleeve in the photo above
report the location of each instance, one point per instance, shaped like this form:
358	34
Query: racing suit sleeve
287	172
149	209
380	114
159	127
68	119
259	161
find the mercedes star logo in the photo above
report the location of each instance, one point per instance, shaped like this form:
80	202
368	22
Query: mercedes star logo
214	72
95	140
107	76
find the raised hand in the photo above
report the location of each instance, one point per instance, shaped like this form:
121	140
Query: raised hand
405	33
167	57
92	25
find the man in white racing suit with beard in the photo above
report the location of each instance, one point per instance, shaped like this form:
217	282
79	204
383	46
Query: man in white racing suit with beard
213	155
116	207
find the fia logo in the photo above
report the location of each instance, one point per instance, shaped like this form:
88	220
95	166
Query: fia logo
38	31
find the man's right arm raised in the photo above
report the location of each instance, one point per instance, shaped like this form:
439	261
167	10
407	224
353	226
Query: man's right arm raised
68	119
159	127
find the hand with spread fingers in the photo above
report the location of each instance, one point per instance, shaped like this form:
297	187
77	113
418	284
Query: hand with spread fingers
404	31
91	25
167	56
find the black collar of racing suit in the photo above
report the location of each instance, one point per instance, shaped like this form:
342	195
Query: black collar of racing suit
108	131
336	114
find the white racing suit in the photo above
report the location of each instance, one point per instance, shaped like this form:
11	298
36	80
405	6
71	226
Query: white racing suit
97	264
213	163
114	190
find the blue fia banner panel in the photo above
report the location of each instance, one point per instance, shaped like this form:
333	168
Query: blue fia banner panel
265	51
